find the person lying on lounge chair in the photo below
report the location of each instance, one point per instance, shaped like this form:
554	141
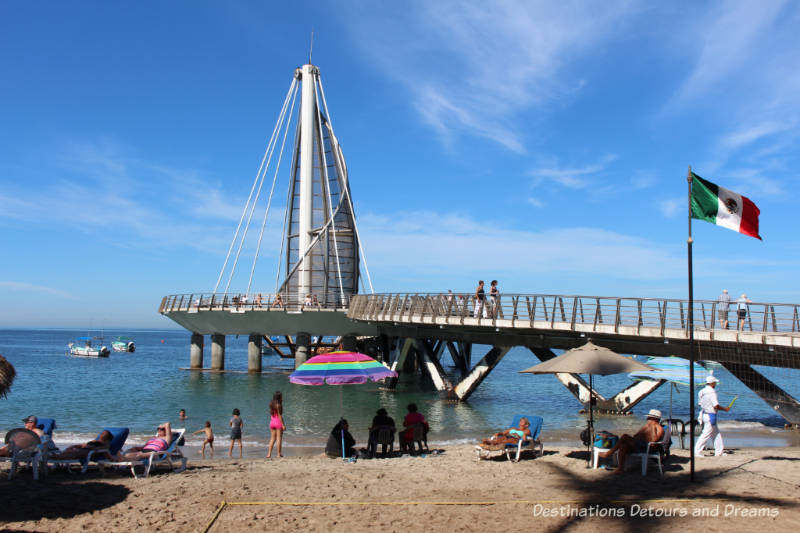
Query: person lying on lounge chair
159	443
81	451
511	435
650	432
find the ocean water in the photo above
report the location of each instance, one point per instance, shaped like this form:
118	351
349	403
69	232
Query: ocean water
142	389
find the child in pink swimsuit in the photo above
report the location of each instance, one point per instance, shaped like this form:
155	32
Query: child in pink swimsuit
276	425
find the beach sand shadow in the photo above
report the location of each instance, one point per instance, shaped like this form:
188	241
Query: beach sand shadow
623	491
25	499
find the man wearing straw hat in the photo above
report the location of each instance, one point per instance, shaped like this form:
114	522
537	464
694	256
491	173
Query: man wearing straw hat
709	405
652	431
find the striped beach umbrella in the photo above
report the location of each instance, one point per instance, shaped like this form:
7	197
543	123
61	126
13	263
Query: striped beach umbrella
673	369
340	368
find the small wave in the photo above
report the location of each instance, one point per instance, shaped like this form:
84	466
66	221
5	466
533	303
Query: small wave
736	424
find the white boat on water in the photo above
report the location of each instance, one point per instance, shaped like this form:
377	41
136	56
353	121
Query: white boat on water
82	347
123	344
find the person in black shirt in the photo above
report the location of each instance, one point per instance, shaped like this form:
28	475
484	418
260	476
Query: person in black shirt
381	419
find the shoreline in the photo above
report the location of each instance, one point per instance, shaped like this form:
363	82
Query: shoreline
735	436
745	491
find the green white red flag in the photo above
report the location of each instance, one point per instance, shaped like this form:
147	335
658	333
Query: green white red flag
724	207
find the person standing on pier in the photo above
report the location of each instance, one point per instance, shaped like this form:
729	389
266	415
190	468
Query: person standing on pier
741	309
724	308
709	406
494	297
480	304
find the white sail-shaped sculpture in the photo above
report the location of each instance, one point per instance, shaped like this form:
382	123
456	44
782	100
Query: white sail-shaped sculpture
321	240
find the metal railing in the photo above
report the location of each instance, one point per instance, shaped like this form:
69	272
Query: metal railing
602	313
245	302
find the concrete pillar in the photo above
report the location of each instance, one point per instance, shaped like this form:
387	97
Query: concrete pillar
349	343
217	352
196	351
302	341
254	353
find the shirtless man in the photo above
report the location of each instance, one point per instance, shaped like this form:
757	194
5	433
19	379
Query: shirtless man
650	432
30	424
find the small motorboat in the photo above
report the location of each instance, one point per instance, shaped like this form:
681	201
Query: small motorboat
82	347
123	344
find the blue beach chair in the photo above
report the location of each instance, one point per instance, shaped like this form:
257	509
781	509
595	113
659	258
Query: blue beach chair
169	456
27	448
516	448
119	435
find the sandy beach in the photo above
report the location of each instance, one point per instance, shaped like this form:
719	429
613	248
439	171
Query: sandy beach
748	490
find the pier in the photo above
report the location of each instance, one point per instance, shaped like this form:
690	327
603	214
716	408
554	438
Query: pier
320	292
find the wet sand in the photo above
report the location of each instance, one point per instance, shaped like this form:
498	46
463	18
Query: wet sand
749	490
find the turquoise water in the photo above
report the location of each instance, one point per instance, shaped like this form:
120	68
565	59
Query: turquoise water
144	388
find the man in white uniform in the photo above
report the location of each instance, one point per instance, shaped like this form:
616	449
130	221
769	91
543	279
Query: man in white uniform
709	405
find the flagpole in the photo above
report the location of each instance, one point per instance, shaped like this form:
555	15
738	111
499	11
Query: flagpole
691	333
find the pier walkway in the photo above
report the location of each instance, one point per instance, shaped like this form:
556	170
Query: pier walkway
426	324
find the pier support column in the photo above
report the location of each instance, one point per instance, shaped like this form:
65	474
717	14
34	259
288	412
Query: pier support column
399	356
196	351
468	385
254	353
303	341
349	343
217	352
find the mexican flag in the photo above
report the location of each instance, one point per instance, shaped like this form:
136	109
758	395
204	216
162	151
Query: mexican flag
722	207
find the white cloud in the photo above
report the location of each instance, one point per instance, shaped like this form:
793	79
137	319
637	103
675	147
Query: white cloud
29	287
729	38
472	67
672	206
458	243
136	203
535	202
572	177
752	133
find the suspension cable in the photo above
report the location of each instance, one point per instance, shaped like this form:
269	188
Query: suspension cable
250	196
328	190
270	150
347	192
272	190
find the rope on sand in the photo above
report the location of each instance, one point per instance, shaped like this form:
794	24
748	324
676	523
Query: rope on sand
222	505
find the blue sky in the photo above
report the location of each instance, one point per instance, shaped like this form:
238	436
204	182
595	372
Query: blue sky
542	144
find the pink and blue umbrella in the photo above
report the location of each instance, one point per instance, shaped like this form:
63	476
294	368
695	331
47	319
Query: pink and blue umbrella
340	368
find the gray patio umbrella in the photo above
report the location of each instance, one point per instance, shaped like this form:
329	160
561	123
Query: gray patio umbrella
588	359
7	374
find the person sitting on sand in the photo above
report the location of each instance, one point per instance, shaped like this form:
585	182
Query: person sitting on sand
412	419
81	451
380	420
208	440
159	443
340	435
650	432
511	435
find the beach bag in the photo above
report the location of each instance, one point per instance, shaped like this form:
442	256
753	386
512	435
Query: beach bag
604	439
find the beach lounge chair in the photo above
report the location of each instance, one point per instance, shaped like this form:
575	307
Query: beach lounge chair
24	447
528	444
169	456
119	435
656	451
